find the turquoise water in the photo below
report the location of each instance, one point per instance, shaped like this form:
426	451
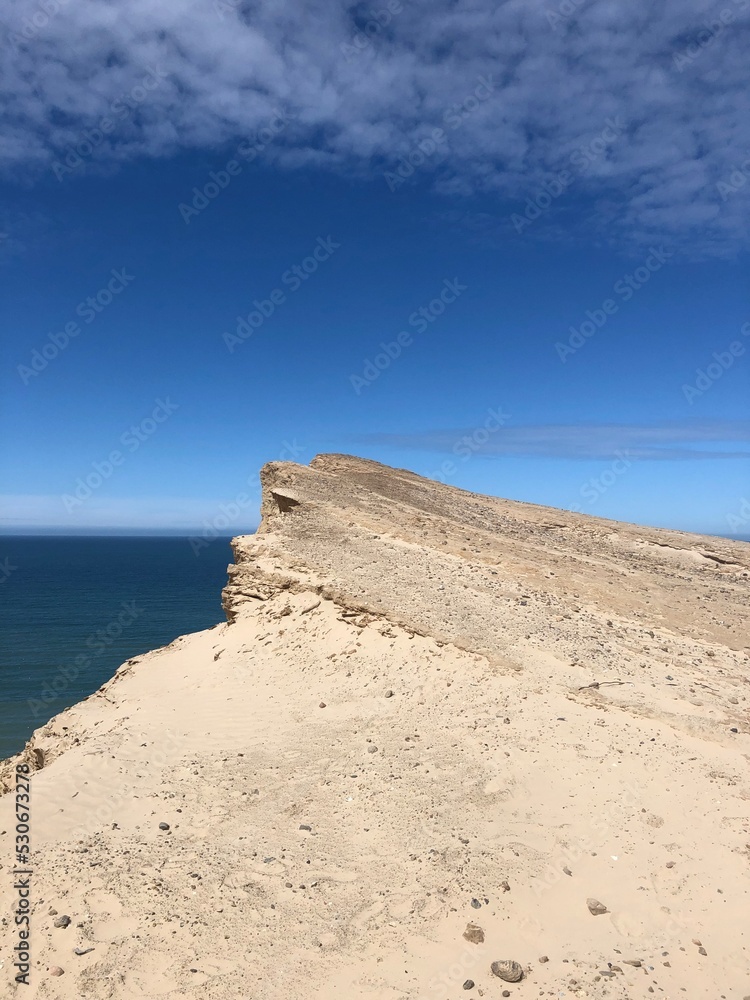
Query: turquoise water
73	609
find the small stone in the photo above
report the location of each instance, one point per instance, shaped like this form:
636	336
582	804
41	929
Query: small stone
164	826
474	934
322	705
734	730
475	904
62	921
55	970
595	907
543	959
52	911
469	984
702	951
305	826
389	693
670	864
82	951
506	993
508	970
635	962
567	870
505	886
697	943
372	749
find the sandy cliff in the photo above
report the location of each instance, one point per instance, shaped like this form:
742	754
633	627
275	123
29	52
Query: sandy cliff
428	709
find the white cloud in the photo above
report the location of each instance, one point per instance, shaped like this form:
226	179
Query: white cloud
230	66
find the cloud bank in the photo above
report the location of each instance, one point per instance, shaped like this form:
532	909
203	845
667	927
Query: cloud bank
660	442
364	87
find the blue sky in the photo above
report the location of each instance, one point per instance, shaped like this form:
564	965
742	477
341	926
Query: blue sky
544	225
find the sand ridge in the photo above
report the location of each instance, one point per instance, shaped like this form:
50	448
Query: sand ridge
428	710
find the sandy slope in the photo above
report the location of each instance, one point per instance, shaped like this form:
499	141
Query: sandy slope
462	762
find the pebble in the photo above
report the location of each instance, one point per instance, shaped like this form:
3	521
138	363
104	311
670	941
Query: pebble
164	826
702	951
635	962
697	943
62	921
372	749
567	870
474	934
506	993
82	951
389	693
305	826
508	970
475	903
595	907
469	984
322	705
543	959
55	970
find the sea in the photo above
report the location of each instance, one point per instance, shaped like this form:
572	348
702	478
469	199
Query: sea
73	609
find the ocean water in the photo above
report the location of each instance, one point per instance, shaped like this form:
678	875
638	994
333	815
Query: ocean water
73	609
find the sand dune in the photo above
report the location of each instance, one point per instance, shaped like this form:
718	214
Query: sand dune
435	730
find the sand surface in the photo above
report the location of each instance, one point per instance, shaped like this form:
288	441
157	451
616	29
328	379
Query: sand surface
429	710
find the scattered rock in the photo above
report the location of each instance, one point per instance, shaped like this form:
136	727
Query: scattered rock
702	951
469	984
508	970
595	907
389	693
505	886
55	970
635	962
82	951
543	959
506	993
309	606
62	921
474	934
475	903
305	826
322	705
567	870
372	749
670	864
697	943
